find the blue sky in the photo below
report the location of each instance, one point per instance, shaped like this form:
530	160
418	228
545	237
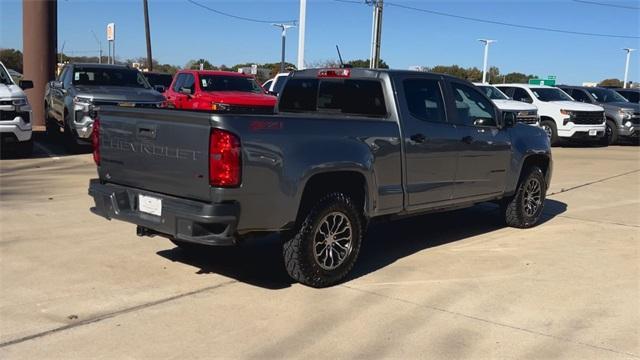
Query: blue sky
181	31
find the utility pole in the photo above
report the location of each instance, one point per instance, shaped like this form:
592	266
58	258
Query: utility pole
148	33
486	57
302	20
284	28
626	66
100	45
376	33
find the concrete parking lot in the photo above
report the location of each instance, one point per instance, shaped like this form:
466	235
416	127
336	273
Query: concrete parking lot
451	285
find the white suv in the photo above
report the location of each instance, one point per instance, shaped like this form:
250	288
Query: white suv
525	113
560	115
15	114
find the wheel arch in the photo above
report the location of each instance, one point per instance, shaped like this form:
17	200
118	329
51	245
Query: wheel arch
350	182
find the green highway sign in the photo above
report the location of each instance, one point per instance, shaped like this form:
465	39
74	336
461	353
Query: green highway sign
548	82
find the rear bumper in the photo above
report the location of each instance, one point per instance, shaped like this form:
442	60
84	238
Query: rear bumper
187	220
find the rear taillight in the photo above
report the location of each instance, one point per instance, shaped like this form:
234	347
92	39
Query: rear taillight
95	140
224	159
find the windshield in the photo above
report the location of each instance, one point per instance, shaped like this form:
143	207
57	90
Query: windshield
4	77
551	94
159	79
493	93
229	83
606	95
104	76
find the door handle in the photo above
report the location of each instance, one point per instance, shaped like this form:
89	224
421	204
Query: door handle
419	138
467	139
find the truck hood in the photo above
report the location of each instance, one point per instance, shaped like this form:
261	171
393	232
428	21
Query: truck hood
621	105
119	93
514	105
240	98
11	92
576	105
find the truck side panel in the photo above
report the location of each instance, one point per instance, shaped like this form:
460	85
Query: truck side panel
281	154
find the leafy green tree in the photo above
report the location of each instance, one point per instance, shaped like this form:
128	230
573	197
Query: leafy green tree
360	63
195	65
611	83
12	59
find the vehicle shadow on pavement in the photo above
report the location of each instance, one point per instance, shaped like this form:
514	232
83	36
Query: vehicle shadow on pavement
259	261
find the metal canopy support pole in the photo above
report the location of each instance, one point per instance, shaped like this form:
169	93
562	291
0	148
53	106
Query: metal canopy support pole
40	42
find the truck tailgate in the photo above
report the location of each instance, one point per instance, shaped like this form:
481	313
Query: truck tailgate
160	150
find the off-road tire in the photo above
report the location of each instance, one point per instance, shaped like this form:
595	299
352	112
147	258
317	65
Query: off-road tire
554	140
512	208
298	246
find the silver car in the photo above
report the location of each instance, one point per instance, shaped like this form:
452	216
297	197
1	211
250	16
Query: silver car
70	100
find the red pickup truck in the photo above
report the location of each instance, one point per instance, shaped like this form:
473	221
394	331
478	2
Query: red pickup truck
220	91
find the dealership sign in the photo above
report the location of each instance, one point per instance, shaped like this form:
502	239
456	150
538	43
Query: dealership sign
111	32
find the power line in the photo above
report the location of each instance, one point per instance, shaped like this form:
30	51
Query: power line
529	27
609	5
240	17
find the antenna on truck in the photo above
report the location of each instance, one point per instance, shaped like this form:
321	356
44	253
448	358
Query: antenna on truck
342	65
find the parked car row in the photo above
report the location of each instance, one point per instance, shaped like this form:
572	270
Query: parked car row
572	112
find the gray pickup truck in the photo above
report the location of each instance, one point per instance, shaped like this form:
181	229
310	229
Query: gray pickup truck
623	116
347	146
69	101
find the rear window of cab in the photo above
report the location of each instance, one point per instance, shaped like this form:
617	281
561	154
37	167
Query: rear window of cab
338	96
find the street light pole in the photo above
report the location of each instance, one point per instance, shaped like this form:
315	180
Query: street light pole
301	30
486	43
626	66
284	28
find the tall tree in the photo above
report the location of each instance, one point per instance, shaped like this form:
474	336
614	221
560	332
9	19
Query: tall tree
12	59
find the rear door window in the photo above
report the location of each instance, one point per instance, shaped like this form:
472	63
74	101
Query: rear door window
424	99
351	97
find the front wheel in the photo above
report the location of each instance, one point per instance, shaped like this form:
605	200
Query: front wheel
551	130
325	245
610	134
523	210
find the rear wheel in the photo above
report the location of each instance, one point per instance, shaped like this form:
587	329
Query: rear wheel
523	209
325	245
551	130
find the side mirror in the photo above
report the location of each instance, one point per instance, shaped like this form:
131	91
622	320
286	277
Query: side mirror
527	100
160	88
186	91
26	84
508	119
